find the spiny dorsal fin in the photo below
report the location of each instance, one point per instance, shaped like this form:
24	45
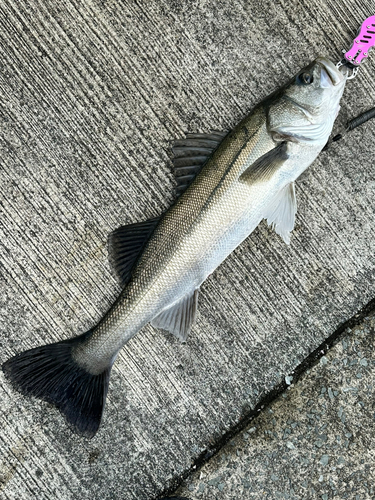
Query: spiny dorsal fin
126	244
179	318
265	167
190	154
281	212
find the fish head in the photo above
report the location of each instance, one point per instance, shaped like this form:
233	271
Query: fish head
306	108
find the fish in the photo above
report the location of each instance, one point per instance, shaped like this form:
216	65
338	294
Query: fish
226	183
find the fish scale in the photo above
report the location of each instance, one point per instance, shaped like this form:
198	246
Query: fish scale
226	184
193	216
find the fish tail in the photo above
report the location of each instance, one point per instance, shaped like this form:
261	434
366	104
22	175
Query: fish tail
50	373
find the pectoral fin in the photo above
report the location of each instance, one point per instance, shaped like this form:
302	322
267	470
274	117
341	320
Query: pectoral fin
266	166
281	212
179	318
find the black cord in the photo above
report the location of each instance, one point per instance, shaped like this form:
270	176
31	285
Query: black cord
364	117
352	124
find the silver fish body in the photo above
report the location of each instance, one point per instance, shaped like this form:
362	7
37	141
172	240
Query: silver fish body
221	207
249	176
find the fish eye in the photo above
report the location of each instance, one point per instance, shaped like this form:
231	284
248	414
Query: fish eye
306	78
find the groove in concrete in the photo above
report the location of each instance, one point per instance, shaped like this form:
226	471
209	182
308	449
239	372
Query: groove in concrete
308	363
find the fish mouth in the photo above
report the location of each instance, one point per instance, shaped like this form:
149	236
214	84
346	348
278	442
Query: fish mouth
329	74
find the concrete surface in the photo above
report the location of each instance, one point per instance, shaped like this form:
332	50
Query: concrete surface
92	94
317	441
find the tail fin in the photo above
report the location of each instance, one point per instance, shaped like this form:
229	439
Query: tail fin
50	373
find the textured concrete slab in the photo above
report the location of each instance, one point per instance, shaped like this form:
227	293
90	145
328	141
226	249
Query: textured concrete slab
317	441
92	94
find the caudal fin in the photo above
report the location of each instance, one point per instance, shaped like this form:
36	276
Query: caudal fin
50	373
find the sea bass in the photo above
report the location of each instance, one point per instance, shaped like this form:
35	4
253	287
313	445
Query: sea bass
226	184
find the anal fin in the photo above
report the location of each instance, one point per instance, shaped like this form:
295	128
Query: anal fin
180	317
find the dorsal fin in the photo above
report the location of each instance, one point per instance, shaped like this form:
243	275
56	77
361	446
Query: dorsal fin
190	154
126	244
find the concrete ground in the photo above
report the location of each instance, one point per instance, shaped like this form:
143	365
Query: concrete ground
92	94
316	441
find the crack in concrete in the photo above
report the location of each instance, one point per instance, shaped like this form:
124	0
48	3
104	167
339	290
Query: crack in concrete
275	393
